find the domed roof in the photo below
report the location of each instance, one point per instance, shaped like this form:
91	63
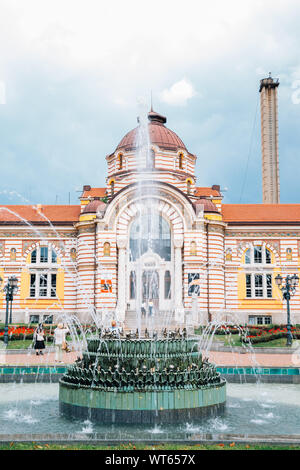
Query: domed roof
158	132
208	205
94	206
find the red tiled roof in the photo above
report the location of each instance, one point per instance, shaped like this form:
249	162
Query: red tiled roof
56	214
95	192
200	192
261	213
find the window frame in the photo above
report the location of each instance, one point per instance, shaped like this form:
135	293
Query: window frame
43	282
251	256
265	320
51	256
254	286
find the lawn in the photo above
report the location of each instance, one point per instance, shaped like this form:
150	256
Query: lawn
234	341
150	447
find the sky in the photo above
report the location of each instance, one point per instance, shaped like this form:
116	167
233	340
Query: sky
72	73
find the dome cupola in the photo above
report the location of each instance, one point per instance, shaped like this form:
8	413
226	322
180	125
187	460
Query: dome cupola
159	135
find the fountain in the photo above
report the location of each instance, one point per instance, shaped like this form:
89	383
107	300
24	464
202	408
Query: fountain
129	379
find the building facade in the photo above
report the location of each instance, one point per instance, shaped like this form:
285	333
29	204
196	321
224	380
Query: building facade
209	259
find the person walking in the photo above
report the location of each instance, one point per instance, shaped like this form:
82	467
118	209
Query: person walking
39	340
150	305
60	340
143	309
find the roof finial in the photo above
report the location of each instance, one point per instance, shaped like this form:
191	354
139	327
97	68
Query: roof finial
151	110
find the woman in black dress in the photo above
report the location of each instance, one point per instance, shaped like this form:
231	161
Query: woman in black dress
39	340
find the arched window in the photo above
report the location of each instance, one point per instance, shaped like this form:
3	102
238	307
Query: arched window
193	248
43	255
180	161
228	255
188	186
258	255
13	254
33	256
167	285
106	249
150	232
132	287
73	254
53	257
120	158
112	188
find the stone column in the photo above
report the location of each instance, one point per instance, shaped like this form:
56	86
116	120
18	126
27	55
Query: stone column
179	309
121	302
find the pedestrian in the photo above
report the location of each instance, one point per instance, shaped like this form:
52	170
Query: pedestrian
60	340
143	309
150	305
39	340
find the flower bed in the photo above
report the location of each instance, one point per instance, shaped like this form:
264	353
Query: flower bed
255	335
21	333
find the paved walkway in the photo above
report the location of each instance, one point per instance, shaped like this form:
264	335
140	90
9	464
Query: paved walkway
254	360
31	359
217	357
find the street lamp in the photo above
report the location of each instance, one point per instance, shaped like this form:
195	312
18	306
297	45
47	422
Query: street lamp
10	289
288	289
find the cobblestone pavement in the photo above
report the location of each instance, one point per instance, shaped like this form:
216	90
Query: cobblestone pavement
217	357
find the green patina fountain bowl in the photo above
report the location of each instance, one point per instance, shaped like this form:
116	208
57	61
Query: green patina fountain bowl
142	381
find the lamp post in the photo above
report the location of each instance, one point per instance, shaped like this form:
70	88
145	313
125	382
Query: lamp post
288	289
10	289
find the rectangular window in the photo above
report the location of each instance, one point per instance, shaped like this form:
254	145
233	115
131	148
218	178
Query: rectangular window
260	320
257	254
48	319
53	285
269	285
193	283
248	285
34	318
43	285
258	284
32	285
268	257
44	254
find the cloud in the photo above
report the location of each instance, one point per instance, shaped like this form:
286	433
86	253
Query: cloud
73	71
179	93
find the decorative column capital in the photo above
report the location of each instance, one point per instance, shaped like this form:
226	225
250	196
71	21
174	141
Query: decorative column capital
121	243
178	242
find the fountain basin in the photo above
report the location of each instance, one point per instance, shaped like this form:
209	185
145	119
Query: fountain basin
141	407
